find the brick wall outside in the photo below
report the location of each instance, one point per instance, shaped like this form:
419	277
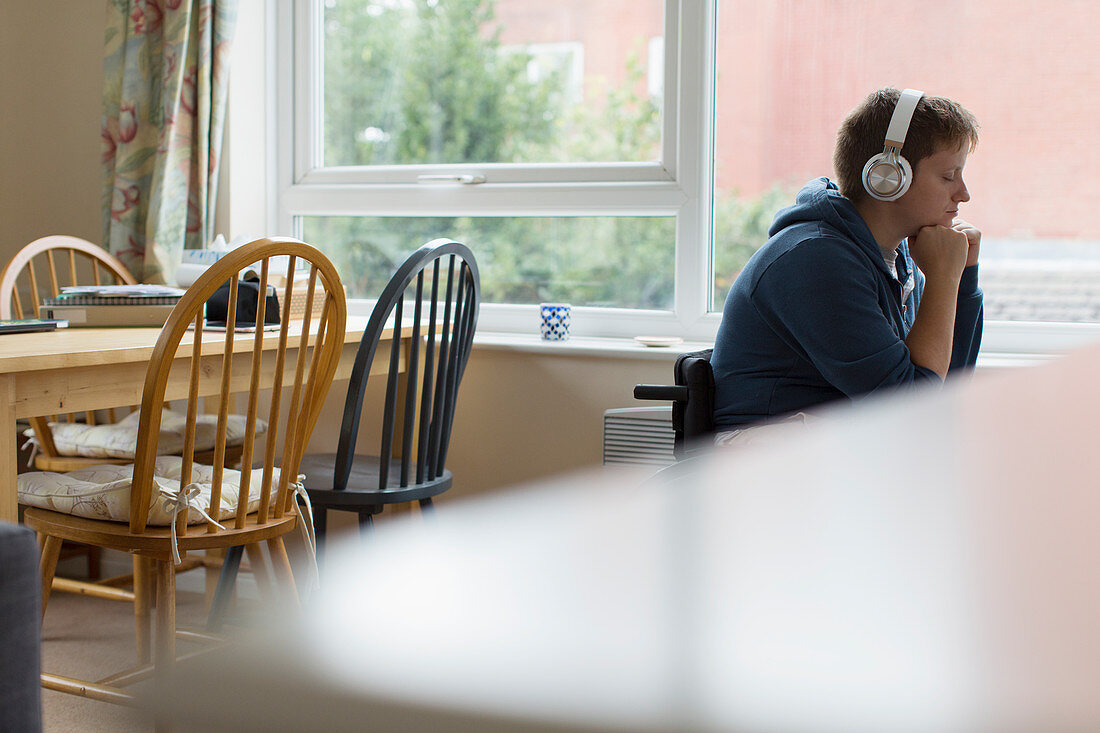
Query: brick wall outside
789	70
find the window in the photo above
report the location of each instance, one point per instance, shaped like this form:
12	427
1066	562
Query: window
525	129
628	155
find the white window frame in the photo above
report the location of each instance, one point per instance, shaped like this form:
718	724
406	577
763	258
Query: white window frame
678	185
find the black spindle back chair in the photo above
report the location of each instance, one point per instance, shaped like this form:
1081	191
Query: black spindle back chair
440	285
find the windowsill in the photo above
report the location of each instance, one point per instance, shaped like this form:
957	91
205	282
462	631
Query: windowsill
621	348
1004	361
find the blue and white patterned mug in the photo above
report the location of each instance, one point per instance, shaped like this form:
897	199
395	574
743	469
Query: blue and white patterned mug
555	320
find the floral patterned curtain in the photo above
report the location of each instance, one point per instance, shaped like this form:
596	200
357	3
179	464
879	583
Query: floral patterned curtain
166	66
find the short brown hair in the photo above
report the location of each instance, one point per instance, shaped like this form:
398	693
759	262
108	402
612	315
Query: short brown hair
937	122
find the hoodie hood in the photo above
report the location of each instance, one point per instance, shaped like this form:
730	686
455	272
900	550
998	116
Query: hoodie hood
820	201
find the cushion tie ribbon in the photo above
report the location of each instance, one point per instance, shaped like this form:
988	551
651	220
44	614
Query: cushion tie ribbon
32	441
174	503
311	536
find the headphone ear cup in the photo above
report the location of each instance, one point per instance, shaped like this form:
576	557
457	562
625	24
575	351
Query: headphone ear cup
886	176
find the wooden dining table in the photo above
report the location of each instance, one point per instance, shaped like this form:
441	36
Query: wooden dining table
77	369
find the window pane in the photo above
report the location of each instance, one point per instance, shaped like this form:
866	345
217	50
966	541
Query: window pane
491	81
789	71
617	262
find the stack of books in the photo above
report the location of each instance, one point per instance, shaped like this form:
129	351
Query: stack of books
113	305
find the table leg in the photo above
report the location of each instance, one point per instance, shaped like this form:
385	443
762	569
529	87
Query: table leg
9	452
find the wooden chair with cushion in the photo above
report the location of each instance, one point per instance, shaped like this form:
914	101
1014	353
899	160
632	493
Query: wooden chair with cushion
36	272
39	271
65	443
161	507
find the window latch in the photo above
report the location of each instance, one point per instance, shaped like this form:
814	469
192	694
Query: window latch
465	179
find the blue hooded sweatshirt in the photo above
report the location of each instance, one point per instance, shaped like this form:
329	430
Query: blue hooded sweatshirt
816	315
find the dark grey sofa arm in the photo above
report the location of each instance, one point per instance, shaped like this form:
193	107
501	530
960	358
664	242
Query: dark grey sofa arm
20	630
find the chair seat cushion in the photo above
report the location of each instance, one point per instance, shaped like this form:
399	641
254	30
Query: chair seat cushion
316	471
119	440
103	492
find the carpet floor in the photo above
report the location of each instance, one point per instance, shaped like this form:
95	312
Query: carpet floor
90	638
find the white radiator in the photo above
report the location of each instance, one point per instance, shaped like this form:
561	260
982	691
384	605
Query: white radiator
638	435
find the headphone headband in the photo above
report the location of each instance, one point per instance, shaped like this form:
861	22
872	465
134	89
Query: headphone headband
903	115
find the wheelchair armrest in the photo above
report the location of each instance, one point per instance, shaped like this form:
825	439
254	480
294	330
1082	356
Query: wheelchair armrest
674	393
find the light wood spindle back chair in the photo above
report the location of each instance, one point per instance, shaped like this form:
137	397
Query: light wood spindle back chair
43	266
37	272
292	376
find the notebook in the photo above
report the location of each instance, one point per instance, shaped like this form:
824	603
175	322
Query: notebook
30	325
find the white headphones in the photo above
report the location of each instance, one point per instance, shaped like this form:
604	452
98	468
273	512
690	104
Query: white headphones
887	176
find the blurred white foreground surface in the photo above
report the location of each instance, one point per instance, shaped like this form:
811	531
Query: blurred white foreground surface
921	563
